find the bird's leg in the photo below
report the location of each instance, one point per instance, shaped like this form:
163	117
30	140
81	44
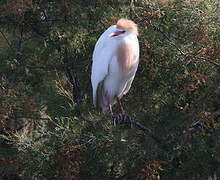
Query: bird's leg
114	118
110	109
112	115
120	105
123	117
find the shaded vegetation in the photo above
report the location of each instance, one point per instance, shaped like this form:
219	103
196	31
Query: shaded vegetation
48	126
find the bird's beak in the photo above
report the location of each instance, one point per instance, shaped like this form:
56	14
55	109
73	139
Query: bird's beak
116	33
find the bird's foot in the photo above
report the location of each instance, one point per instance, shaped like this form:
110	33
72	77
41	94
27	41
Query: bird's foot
115	119
122	118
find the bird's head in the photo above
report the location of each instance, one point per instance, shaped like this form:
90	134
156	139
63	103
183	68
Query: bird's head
124	27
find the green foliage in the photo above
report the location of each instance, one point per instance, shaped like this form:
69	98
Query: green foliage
48	126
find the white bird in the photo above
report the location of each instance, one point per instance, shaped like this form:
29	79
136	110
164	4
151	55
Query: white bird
115	61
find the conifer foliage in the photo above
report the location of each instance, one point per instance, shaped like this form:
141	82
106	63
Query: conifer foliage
49	128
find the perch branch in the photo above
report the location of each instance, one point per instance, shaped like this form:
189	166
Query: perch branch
130	122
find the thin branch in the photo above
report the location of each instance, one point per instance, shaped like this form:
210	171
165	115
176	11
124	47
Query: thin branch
131	8
172	43
216	114
73	78
28	117
6	39
130	122
168	38
204	125
36	30
210	61
59	68
86	86
201	123
87	142
180	51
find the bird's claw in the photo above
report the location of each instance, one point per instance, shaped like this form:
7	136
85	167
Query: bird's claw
122	118
115	120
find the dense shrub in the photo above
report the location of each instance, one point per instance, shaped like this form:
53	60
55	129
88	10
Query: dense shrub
48	126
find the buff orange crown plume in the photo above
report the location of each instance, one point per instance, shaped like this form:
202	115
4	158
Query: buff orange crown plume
127	24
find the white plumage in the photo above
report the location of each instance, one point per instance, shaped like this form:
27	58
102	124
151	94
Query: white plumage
115	61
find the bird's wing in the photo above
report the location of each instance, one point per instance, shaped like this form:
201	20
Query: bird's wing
102	56
134	67
128	85
129	82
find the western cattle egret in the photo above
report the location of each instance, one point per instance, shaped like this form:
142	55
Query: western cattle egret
115	61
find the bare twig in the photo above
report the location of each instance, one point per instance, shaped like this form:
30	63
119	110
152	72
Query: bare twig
127	120
168	38
55	68
202	125
86	86
181	52
73	78
6	39
171	42
42	34
210	61
131	8
28	117
130	123
216	114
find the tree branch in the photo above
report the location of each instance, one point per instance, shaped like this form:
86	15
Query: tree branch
216	114
60	67
6	39
130	123
28	117
171	42
210	61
